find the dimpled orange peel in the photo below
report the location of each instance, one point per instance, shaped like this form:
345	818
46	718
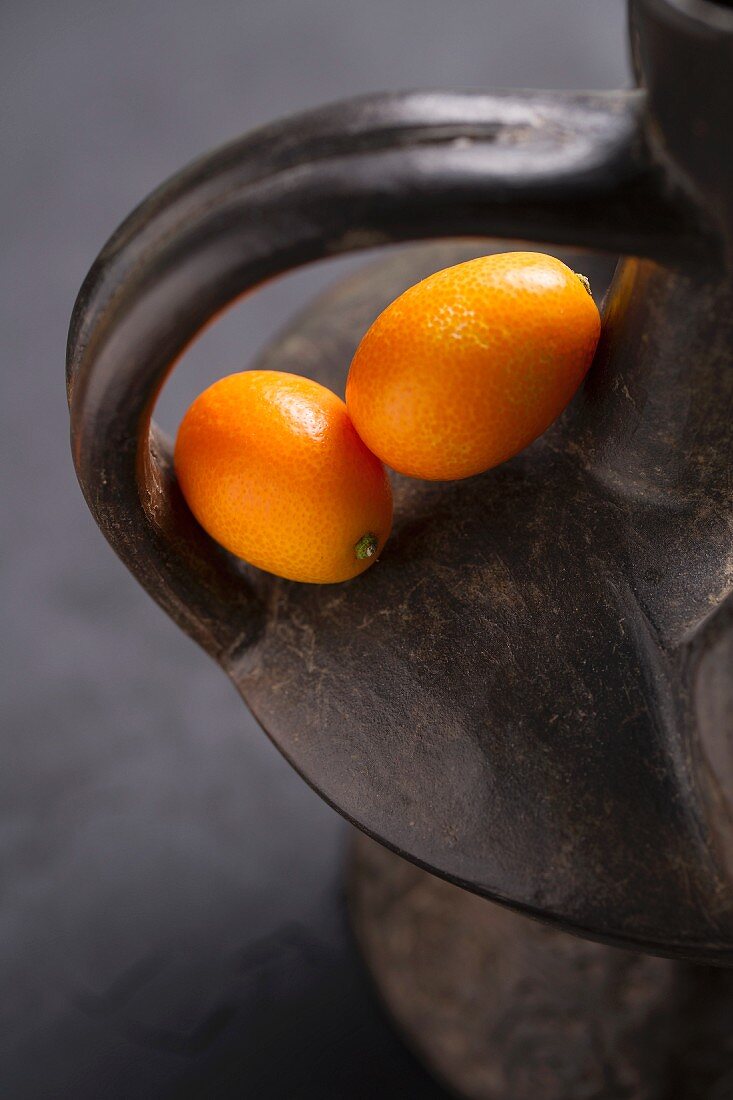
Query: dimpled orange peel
466	368
273	469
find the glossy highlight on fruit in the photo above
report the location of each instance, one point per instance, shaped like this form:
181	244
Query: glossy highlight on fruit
469	366
273	469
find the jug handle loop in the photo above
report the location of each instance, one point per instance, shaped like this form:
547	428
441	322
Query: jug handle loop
569	169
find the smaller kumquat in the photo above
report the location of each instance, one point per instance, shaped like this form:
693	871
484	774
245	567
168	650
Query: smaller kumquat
273	469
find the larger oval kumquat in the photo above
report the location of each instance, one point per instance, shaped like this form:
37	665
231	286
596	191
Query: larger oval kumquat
468	367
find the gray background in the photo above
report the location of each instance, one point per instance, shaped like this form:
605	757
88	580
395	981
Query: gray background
171	920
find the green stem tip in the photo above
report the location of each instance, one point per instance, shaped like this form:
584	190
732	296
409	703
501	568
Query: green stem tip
585	281
366	547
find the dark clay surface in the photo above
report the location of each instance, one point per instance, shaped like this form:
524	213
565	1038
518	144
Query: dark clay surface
504	695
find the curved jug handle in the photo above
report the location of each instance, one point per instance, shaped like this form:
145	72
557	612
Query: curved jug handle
561	168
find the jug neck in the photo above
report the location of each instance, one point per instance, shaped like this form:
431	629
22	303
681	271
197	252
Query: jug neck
683	56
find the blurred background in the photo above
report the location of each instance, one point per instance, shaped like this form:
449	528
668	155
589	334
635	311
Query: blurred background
171	917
